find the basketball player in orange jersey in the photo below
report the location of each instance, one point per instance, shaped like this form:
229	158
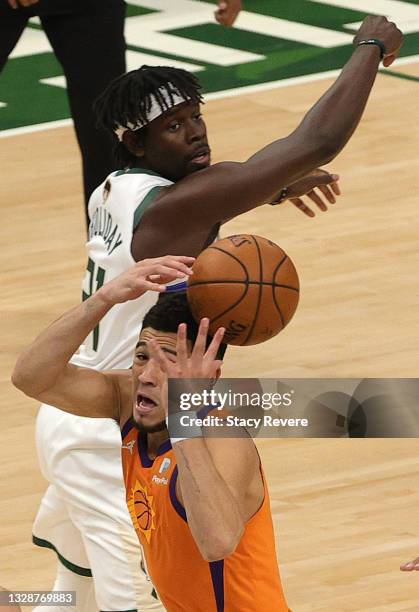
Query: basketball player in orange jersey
200	505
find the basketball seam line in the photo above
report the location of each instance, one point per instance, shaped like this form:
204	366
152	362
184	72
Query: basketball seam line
242	282
273	291
260	291
234	257
233	305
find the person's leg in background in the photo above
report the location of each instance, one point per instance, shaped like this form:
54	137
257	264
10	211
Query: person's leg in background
83	515
12	24
54	529
90	485
66	580
90	45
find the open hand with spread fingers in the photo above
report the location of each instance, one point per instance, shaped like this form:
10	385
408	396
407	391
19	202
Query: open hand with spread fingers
319	186
201	362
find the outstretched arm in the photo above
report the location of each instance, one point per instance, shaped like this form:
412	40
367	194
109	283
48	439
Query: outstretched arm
228	189
43	370
220	482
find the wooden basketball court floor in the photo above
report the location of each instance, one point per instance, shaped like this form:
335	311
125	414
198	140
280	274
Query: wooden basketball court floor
345	510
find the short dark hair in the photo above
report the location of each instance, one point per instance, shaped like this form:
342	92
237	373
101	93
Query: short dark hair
127	99
169	312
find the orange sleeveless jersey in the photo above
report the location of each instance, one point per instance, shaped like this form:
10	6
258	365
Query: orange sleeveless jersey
246	581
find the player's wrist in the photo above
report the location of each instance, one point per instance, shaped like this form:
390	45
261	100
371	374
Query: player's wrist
182	426
281	197
374	46
103	299
106	296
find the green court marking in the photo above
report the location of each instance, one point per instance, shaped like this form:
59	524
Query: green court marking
166	56
27	101
399	75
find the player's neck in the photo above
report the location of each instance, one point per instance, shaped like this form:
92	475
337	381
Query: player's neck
154	441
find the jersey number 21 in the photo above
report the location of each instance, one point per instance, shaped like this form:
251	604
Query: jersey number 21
95	274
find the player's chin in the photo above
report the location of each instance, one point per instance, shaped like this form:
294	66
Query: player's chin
149	422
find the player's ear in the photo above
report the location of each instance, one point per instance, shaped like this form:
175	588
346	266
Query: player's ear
134	142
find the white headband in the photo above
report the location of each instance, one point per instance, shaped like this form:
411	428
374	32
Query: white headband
171	97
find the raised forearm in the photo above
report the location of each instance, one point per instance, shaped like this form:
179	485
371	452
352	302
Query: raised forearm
338	112
213	513
41	363
327	127
229	189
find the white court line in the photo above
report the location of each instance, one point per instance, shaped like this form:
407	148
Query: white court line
229	93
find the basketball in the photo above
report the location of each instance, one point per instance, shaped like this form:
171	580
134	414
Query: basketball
246	284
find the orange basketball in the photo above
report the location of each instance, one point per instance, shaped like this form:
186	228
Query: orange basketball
246	284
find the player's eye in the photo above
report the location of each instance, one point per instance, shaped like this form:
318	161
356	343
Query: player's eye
173	127
197	116
141	357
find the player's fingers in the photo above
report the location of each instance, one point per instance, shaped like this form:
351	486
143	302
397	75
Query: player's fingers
185	259
169	261
410	566
170	272
336	188
323	177
212	350
223	18
158	355
181	347
148	285
389	59
303	207
328	193
200	342
160	270
220	12
226	13
314	197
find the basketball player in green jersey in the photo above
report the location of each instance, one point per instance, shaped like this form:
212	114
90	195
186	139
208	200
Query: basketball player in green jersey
160	129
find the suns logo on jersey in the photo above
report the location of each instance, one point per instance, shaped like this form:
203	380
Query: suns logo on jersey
140	506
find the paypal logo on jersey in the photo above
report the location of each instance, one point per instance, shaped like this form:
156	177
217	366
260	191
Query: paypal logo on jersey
162	480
